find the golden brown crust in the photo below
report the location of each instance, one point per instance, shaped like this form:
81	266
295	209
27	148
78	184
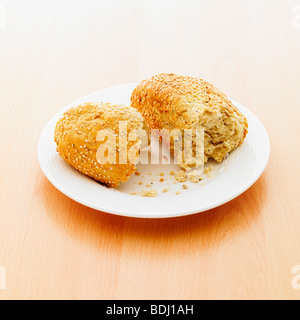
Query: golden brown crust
169	101
76	139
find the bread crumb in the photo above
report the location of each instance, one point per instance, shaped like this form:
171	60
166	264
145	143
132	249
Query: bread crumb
185	187
181	176
178	193
162	174
195	179
172	173
161	180
149	194
138	173
208	171
165	190
148	186
140	183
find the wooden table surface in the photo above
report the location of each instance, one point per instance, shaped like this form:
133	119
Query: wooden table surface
53	52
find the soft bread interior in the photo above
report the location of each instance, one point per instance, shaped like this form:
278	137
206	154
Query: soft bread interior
223	133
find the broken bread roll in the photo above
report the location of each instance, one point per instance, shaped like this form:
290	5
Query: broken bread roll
169	101
102	141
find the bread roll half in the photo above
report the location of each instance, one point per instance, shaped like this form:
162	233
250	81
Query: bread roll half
169	101
83	130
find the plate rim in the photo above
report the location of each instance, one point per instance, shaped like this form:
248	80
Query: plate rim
217	204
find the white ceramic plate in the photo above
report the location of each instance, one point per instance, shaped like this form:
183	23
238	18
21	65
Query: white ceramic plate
230	179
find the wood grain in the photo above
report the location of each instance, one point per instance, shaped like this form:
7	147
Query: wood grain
53	52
